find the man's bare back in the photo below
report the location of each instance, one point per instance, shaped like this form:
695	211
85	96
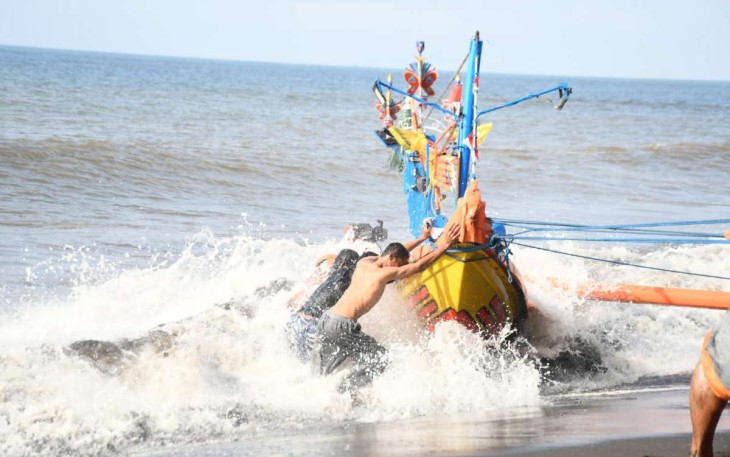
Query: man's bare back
372	274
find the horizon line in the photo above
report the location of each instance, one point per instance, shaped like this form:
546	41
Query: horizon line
272	62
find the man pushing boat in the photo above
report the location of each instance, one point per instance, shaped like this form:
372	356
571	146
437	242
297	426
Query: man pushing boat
302	324
339	337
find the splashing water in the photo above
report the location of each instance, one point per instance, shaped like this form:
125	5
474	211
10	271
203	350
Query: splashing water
193	350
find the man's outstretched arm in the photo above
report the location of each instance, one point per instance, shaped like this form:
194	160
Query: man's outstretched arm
425	261
425	233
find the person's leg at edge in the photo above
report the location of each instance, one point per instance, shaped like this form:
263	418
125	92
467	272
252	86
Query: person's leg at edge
705	410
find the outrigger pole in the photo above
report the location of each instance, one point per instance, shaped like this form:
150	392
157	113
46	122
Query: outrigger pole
562	89
650	295
667	296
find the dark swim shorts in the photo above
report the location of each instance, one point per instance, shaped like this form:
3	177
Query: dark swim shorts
339	339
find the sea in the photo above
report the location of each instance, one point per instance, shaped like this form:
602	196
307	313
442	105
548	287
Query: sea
158	215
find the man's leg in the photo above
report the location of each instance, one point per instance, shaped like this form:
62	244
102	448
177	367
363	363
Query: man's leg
705	409
370	359
298	331
329	344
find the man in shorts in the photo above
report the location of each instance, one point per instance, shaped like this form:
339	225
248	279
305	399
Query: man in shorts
303	322
709	391
339	336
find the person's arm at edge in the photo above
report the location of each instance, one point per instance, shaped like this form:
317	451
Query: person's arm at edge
425	261
425	233
329	258
413	244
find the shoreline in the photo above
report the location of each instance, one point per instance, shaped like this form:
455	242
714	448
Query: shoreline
654	423
645	446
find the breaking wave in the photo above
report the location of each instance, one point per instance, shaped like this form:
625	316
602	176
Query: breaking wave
192	349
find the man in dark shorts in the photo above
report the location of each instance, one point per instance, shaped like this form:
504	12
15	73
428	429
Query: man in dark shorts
303	323
709	390
339	337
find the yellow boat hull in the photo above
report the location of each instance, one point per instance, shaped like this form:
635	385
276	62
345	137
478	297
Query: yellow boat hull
472	288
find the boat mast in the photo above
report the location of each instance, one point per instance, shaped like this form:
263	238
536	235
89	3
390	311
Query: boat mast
420	46
466	124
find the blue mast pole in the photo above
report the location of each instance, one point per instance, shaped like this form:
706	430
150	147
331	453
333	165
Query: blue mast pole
466	125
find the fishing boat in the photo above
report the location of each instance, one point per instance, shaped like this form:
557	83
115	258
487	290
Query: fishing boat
437	147
435	142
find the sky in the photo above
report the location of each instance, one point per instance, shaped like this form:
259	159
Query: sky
664	39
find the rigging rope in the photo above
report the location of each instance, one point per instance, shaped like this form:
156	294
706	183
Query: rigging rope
618	262
519	223
686	237
440	97
686	240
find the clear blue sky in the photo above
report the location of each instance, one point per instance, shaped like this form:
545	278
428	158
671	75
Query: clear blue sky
617	38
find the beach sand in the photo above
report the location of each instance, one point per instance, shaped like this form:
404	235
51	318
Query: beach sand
626	423
649	446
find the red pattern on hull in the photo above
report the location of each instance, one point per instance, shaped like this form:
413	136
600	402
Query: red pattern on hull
498	307
418	296
488	319
461	317
428	310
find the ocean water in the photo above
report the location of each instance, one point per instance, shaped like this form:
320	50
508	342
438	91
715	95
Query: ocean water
155	203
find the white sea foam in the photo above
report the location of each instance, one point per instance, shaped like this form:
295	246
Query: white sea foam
225	372
633	340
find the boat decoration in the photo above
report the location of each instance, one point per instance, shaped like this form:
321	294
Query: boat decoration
420	75
387	107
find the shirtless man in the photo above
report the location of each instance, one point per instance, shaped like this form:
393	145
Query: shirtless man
339	336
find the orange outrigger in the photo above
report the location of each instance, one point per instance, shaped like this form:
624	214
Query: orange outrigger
669	296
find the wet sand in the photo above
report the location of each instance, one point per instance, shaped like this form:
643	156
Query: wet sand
649	446
625	423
